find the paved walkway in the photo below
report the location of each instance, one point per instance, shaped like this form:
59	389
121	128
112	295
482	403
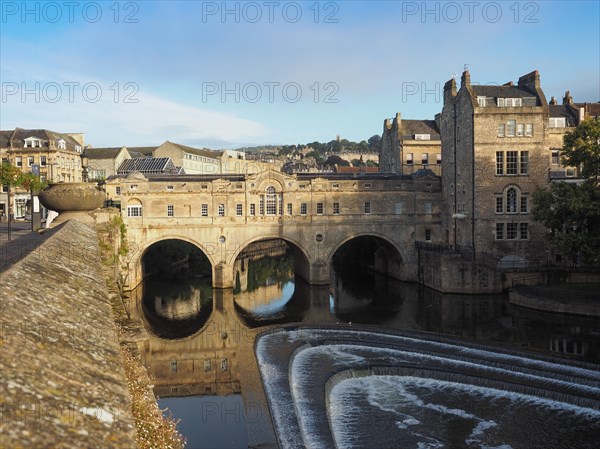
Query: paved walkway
23	241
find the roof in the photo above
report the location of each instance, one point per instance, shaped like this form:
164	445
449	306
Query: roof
143	151
147	165
412	127
16	138
591	109
563	111
197	151
358	169
102	153
502	91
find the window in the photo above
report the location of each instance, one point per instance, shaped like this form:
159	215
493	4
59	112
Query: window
118	190
367	185
134	211
524	230
557	122
439	158
319	208
499	162
511	162
511	231
555	157
170	188
427	208
570	172
529	129
422	136
289	208
499	231
133	187
524	162
252	209
30	160
204	210
511	200
524	204
520	130
239	209
399	208
335	186
221	209
170	210
509	102
424	158
207	365
43	161
271	198
409	158
224	365
499	205
428	234
173	366
367	207
303	208
511	128
336	208
501	130
19	161
481	101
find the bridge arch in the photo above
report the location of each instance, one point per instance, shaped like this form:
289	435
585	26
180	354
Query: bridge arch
388	258
302	264
136	265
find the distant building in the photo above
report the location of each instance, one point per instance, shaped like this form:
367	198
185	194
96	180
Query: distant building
149	166
57	157
101	163
409	145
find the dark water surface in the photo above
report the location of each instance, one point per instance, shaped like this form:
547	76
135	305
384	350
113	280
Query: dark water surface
202	351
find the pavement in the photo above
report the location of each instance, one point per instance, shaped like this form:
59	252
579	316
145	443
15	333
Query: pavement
23	241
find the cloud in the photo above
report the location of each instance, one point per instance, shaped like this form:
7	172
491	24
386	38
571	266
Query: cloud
117	114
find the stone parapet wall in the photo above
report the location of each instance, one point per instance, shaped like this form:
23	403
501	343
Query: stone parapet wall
63	383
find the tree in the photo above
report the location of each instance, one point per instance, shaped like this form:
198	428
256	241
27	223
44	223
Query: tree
581	148
375	142
572	211
572	214
336	160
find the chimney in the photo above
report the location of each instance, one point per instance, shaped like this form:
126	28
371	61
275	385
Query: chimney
531	81
465	79
568	99
581	114
553	101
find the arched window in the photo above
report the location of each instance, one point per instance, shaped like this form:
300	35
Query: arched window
511	201
271	200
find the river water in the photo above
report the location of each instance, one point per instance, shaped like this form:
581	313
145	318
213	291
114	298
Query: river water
201	354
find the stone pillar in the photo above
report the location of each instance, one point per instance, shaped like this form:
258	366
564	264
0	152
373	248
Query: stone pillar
222	276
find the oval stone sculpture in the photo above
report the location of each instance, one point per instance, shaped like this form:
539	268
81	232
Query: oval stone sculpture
73	196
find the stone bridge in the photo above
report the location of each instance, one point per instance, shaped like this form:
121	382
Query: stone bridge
314	213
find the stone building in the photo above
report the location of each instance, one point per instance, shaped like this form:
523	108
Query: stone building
101	163
410	145
57	156
498	144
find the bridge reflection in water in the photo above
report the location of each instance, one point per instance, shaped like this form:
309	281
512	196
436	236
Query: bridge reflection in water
200	349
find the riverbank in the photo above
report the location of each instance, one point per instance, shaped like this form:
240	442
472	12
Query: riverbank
571	298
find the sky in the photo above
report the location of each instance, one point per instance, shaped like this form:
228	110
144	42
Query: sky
232	74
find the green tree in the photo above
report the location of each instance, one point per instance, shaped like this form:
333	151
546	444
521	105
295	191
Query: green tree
14	177
572	214
336	160
581	148
375	142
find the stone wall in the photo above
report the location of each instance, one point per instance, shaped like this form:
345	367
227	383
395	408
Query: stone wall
63	383
454	273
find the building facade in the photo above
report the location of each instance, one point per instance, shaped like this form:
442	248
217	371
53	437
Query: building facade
497	145
55	156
